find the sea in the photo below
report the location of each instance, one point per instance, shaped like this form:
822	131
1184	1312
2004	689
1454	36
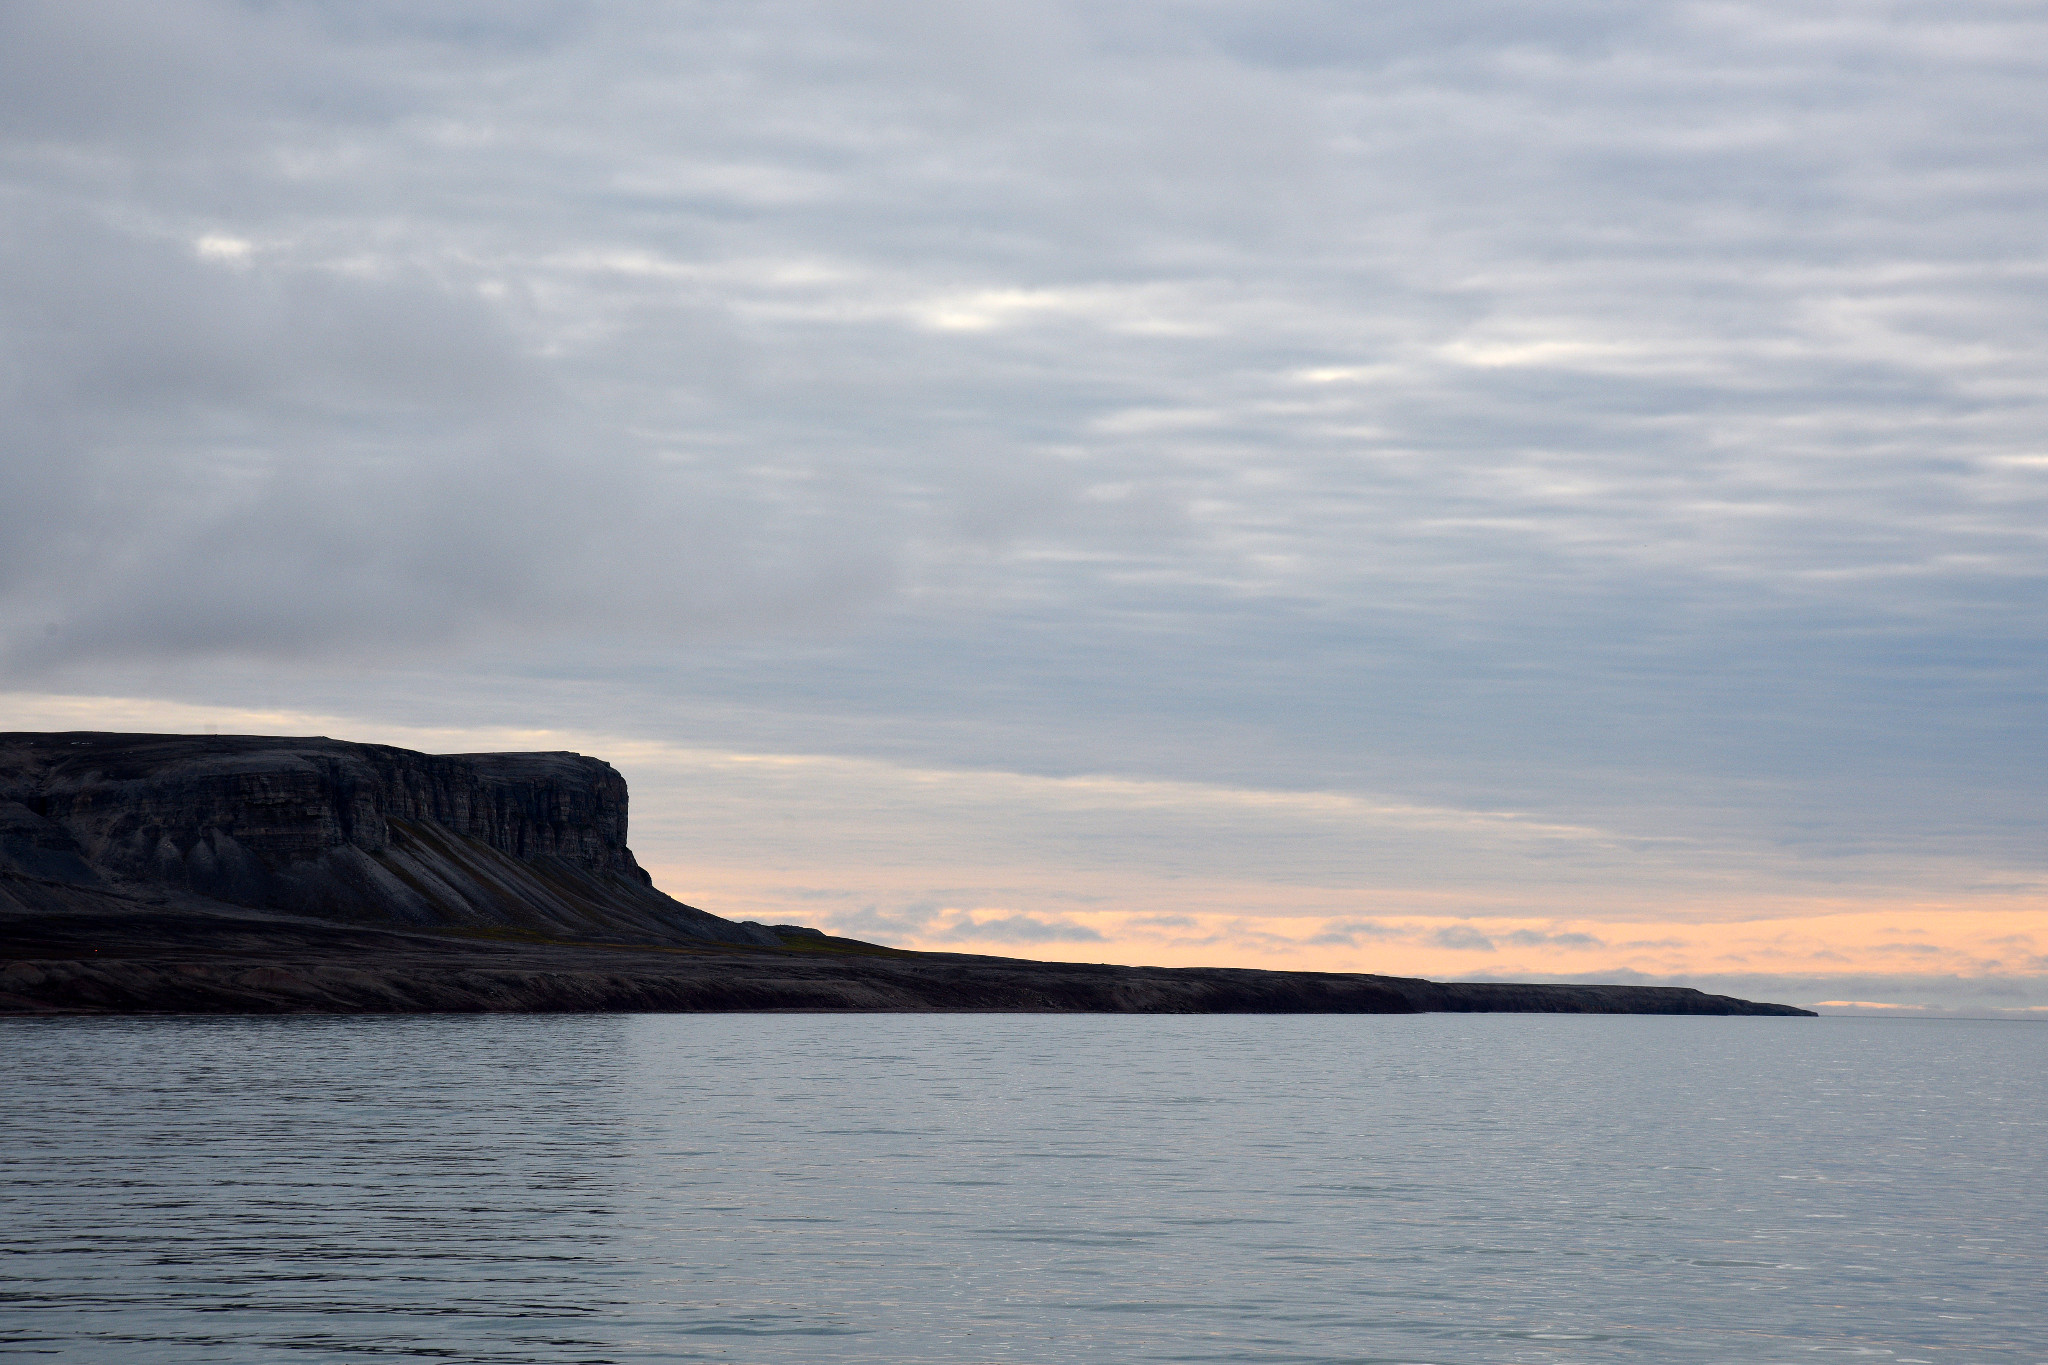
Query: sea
1023	1188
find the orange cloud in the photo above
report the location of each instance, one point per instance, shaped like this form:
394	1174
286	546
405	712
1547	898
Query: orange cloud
1190	923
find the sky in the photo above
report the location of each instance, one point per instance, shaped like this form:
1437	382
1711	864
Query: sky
1479	490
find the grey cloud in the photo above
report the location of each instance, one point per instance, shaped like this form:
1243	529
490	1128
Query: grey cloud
1462	937
241	458
928	922
1312	33
1349	933
108	321
1627	414
1532	938
872	923
1016	928
158	75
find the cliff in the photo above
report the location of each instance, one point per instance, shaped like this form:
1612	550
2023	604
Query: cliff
240	874
360	833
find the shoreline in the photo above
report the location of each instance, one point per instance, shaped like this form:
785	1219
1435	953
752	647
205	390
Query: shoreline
171	960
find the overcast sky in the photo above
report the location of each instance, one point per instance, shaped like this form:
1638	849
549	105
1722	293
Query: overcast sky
1282	483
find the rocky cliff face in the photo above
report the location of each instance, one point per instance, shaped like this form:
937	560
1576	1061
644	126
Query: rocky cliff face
355	832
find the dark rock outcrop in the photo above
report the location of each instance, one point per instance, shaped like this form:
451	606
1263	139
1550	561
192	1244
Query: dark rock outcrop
355	832
232	874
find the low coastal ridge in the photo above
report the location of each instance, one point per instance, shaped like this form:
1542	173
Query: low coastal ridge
262	875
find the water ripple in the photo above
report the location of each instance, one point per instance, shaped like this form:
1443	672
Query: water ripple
597	1190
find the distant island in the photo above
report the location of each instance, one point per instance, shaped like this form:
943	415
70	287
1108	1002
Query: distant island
244	874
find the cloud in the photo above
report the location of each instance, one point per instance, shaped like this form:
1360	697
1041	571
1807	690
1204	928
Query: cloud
870	921
1459	937
1013	928
1623	424
928	925
171	78
1536	938
214	459
1349	933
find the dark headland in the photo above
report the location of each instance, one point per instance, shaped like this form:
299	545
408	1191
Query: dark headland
255	875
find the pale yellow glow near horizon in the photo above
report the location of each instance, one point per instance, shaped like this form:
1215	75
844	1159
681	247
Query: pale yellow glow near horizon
1113	869
1164	923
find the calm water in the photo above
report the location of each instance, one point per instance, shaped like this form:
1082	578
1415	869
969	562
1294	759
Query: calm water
888	1188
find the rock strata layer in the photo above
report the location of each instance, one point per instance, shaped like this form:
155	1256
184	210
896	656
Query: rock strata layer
231	874
362	833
